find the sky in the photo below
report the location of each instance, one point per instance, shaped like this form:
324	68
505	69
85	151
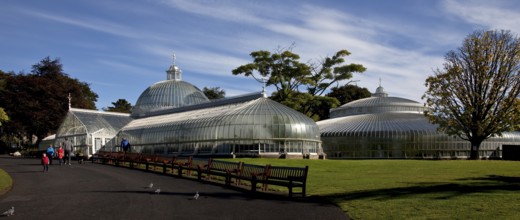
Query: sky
121	47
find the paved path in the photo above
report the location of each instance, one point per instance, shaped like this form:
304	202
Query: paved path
94	191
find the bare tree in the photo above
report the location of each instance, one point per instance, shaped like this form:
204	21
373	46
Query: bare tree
475	95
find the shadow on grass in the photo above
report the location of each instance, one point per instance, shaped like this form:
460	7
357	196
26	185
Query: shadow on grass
459	187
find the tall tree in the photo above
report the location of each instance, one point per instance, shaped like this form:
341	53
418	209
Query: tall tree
37	102
3	116
475	95
121	105
283	70
214	93
348	93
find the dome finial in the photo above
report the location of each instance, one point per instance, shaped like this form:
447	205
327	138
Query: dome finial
264	81
380	91
174	73
70	98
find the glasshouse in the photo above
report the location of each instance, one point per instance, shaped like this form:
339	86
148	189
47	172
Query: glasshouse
391	127
174	117
89	130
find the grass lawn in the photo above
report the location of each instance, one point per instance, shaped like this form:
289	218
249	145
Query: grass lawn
5	182
414	189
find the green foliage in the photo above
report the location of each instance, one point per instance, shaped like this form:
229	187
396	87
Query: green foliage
214	93
347	93
3	116
289	76
37	103
475	95
121	105
316	107
413	189
6	182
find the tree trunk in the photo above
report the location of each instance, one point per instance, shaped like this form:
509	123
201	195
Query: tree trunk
475	146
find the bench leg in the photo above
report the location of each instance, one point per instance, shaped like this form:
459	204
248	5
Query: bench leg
253	184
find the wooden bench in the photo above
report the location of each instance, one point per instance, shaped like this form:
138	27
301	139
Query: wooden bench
100	157
224	169
254	174
182	163
114	157
162	161
290	177
133	159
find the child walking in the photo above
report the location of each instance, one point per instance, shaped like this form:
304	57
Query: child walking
61	153
45	162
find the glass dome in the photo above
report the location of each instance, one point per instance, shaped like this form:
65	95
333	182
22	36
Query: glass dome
170	93
393	127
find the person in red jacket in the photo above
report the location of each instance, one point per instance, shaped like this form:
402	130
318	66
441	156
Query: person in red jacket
61	153
45	162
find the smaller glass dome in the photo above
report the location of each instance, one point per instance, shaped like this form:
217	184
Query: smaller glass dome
378	103
170	93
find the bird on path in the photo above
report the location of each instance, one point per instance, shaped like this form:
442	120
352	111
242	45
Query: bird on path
196	196
150	186
157	191
9	212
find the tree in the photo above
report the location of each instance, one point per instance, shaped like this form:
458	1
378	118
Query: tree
3	116
37	102
348	93
214	93
289	76
121	105
475	95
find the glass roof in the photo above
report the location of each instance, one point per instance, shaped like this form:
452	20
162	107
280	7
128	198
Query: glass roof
260	116
395	123
90	121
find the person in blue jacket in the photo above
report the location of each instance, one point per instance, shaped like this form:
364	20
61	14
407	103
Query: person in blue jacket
50	153
125	145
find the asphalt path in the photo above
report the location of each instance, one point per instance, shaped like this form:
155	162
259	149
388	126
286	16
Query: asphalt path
95	191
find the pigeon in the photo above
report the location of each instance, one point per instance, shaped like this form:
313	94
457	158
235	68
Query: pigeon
9	212
196	196
150	186
157	191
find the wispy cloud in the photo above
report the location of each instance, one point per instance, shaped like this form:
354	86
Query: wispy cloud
87	23
487	14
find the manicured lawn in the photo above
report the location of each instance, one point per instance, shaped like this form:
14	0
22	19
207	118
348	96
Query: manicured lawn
414	189
5	182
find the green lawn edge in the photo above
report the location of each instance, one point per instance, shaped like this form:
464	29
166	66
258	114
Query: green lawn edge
413	189
6	182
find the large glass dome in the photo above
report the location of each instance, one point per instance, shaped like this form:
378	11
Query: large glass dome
170	93
393	127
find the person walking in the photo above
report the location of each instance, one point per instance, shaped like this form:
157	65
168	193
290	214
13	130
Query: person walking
67	146
45	162
50	153
125	145
61	153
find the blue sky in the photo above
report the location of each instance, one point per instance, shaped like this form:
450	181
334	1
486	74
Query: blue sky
120	47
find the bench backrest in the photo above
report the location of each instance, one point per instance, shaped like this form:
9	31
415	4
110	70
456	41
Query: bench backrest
249	170
163	159
116	155
183	160
199	162
224	165
284	173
